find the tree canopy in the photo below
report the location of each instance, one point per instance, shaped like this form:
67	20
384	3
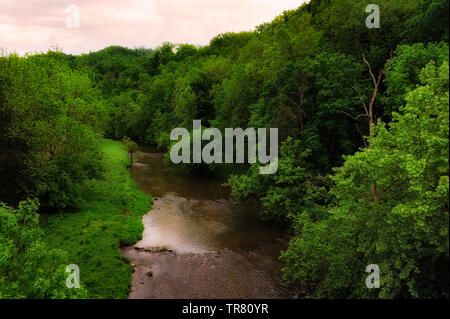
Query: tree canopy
363	120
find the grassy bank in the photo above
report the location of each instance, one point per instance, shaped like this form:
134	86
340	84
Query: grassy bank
109	216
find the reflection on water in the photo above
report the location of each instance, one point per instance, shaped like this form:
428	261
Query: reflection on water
153	177
216	249
195	214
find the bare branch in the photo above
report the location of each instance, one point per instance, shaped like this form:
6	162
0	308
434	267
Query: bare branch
361	97
359	131
353	117
370	69
388	63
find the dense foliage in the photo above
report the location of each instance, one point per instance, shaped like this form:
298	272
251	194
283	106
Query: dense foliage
51	120
406	231
51	146
363	124
28	267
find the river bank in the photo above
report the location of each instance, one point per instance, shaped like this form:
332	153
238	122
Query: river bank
108	217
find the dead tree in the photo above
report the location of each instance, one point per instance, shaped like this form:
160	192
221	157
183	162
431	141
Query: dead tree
369	107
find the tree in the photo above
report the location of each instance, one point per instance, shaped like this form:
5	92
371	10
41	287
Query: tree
406	233
131	146
402	75
49	136
28	268
284	194
423	26
369	109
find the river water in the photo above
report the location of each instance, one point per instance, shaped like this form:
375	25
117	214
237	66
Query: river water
197	243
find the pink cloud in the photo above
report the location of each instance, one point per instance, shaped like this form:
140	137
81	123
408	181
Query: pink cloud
37	25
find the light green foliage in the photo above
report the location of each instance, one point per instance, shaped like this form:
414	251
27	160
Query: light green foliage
403	73
287	192
131	146
406	233
51	118
28	267
109	217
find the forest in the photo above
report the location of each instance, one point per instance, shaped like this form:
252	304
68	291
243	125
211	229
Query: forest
363	172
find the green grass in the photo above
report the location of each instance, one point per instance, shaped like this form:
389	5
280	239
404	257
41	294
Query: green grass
109	216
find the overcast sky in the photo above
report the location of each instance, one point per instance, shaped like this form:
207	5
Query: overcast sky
37	25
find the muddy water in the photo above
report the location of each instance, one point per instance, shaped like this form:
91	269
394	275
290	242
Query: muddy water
198	244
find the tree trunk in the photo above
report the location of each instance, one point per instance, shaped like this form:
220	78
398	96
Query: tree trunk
370	111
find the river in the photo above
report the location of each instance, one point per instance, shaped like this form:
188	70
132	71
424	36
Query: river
198	244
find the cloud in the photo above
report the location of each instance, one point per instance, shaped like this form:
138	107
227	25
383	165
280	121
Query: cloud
37	25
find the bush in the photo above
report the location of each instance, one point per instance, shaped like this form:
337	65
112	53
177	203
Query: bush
28	267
